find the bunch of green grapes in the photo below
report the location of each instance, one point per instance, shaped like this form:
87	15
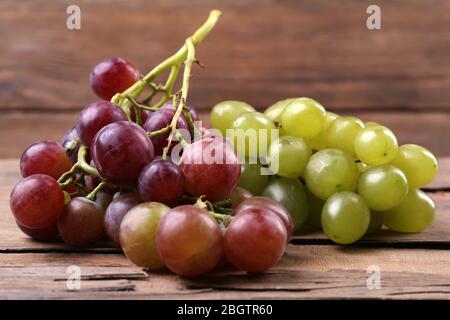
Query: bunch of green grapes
336	173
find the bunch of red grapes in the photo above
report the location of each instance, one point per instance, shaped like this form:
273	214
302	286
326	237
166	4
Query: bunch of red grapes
108	178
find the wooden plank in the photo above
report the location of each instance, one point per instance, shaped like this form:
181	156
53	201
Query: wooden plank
261	51
19	130
305	272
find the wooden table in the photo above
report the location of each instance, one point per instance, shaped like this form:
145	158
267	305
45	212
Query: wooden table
260	52
412	265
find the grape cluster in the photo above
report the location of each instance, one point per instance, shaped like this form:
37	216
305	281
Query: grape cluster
114	177
331	172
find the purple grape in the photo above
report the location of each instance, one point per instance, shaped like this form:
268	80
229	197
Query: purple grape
120	151
159	120
161	181
115	213
113	76
94	117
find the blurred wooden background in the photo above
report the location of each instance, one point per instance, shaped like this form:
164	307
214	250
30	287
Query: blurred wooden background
261	51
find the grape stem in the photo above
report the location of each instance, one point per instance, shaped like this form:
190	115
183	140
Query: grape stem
91	196
190	59
174	62
81	162
225	218
159	132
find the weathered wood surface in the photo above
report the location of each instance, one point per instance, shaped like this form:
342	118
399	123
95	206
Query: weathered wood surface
261	51
305	272
412	266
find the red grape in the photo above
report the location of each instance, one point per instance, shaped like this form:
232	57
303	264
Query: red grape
189	240
210	168
161	181
238	195
69	137
48	234
81	223
255	240
160	119
116	211
45	157
37	201
96	116
113	76
270	205
120	151
138	233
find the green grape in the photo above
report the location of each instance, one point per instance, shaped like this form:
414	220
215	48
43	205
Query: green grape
376	145
417	163
288	156
291	194
329	171
414	214
345	217
319	141
376	222
274	111
342	133
383	187
303	117
224	113
251	135
252	180
315	206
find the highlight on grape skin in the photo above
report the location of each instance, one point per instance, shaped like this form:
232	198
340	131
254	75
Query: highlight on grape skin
142	171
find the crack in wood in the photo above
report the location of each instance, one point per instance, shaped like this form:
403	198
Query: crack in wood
104	277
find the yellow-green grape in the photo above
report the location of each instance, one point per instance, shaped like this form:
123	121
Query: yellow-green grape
342	133
315	206
303	117
319	141
414	214
224	113
345	217
252	180
376	145
288	156
251	135
383	187
329	171
417	163
291	194
376	222
138	234
274	111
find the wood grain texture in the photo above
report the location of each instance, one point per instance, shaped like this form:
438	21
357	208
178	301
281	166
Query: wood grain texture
261	51
305	272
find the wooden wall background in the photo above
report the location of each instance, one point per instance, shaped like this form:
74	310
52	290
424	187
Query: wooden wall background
261	51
